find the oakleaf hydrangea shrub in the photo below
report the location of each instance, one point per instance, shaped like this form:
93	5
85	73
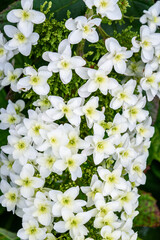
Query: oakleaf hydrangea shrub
79	132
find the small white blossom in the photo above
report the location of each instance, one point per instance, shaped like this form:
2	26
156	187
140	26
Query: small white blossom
113	180
63	62
151	17
66	200
61	109
11	76
97	79
31	231
70	161
91	191
73	223
148	41
27	182
108	8
91	113
5	55
35	80
26	17
19	41
123	95
116	57
82	28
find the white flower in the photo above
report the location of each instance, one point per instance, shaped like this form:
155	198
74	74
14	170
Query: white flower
75	142
10	197
82	28
42	209
144	130
73	223
66	200
5	55
70	161
149	83
9	116
136	113
104	207
27	182
127	200
118	126
108	8
108	233
154	64
136	170
43	102
113	180
11	76
46	162
148	41
31	231
97	79
95	187
9	166
61	109
55	138
135	68
116	57
26	17
151	17
35	80
125	154
19	41
33	125
110	219
123	95
100	148
21	148
89	110
62	61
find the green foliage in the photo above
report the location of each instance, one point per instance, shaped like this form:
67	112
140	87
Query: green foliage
149	214
7	235
155	143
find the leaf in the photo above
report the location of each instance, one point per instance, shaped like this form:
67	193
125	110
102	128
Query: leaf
154	152
138	6
149	213
7	235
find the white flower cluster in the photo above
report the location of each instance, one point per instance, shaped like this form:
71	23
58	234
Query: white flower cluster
149	45
22	39
48	142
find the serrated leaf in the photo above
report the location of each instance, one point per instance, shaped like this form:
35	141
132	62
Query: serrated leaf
149	213
7	235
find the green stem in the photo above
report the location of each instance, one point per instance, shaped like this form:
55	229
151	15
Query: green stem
131	17
102	32
80	48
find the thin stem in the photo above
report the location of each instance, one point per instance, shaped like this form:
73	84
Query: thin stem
131	17
102	32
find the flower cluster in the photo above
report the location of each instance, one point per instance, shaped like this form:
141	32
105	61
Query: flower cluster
46	147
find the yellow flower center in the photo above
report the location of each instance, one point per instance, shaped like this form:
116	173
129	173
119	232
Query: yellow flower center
21	38
25	15
1	52
34	80
103	3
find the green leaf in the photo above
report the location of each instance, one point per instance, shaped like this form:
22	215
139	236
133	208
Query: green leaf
149	213
154	152
7	235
